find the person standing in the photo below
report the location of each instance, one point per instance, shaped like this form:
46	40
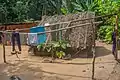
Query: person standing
16	37
114	44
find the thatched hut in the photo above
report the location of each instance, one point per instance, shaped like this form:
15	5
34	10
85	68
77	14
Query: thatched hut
81	38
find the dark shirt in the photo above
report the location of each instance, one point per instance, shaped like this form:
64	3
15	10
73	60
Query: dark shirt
114	37
1	35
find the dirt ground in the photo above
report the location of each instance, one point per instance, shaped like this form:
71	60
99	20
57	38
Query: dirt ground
32	68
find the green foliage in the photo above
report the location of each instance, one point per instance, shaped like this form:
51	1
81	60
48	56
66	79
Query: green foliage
105	33
67	6
60	54
84	5
105	7
101	32
40	47
21	10
108	6
100	7
64	11
45	48
57	47
73	6
108	36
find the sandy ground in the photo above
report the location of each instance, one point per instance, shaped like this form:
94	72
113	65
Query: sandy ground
32	68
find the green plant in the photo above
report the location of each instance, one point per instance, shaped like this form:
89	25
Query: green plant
102	32
55	47
60	45
108	7
60	48
60	54
108	36
105	33
45	47
84	5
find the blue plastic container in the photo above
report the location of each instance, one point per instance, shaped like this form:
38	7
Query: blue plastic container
41	37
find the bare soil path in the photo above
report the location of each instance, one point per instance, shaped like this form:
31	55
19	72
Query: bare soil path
32	68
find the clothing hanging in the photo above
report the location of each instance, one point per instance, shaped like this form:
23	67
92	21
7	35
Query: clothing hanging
15	37
32	39
41	38
1	35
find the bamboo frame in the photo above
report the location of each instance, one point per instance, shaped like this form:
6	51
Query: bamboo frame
81	25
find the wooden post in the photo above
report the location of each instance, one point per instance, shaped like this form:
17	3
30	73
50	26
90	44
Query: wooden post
93	65
93	51
4	58
117	36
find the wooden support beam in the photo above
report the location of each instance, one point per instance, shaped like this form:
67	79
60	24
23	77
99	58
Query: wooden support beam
51	31
117	37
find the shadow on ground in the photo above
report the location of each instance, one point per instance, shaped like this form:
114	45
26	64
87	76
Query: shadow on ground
66	74
100	51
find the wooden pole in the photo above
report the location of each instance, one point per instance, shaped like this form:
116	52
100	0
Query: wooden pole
93	65
117	36
4	58
93	51
80	25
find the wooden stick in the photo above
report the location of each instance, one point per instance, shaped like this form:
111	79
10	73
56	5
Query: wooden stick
93	51
81	25
93	65
4	58
85	41
46	41
93	17
67	31
117	36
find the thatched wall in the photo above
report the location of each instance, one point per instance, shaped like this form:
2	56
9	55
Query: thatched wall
79	37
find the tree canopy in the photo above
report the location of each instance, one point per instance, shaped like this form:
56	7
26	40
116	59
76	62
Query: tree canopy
23	10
